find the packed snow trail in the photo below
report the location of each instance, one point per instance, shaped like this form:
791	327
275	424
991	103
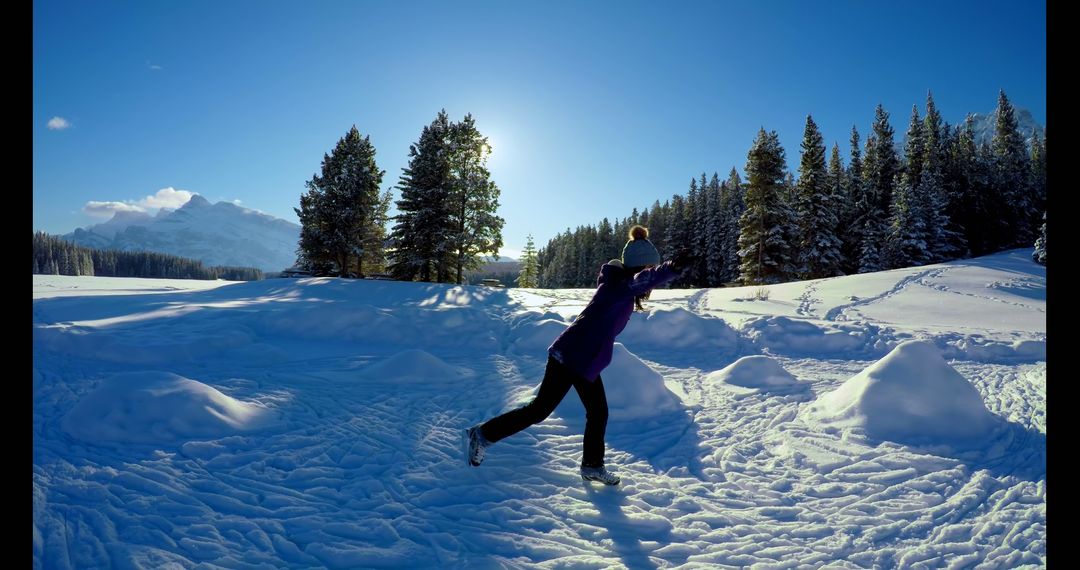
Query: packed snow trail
339	406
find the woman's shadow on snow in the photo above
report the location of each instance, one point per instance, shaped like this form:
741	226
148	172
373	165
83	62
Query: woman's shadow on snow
624	532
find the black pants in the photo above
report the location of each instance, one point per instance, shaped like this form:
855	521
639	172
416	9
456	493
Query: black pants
557	382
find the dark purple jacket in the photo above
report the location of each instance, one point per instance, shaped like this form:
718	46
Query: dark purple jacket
585	346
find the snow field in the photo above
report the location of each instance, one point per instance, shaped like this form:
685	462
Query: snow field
316	423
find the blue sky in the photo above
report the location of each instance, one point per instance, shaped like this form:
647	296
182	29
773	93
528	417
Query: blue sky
592	108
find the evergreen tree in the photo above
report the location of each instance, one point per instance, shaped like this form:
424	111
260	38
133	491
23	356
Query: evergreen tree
606	247
880	169
732	204
944	237
849	211
906	244
658	226
836	182
815	207
423	209
528	278
969	195
678	225
1011	178
691	219
1039	255
763	251
343	213
1038	173
475	227
714	234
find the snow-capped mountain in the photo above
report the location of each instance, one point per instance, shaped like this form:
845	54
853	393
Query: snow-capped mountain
216	234
986	124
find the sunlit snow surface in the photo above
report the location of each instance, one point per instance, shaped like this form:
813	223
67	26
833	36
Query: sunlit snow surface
316	423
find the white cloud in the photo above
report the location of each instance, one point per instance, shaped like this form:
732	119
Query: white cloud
156	67
108	209
58	123
166	198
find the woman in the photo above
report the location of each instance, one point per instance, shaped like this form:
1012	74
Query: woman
582	351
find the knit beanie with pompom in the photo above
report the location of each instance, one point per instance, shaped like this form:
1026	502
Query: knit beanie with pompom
639	251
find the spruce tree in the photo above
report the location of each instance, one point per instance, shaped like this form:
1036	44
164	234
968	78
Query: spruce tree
678	225
906	243
849	213
423	209
475	228
528	278
714	234
817	245
836	182
732	204
763	252
1039	255
880	169
1011	176
343	213
1038	172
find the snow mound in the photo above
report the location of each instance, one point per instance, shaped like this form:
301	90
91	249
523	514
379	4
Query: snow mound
536	337
978	349
160	407
754	372
678	328
634	390
413	365
784	335
911	395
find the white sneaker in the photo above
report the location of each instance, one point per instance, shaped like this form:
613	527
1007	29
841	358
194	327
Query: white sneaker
473	443
600	474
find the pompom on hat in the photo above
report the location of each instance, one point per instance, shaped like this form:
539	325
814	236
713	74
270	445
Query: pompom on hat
639	251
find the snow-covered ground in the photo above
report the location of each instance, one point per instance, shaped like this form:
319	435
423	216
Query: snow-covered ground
894	419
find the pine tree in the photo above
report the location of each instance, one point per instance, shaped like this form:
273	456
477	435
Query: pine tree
714	234
763	251
528	278
1011	178
606	247
837	184
1039	255
906	243
342	214
1038	173
967	198
817	245
689	232
732	204
850	219
661	226
944	236
475	227
880	169
678	225
423	208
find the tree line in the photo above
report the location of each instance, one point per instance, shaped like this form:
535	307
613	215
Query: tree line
446	217
55	256
943	197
